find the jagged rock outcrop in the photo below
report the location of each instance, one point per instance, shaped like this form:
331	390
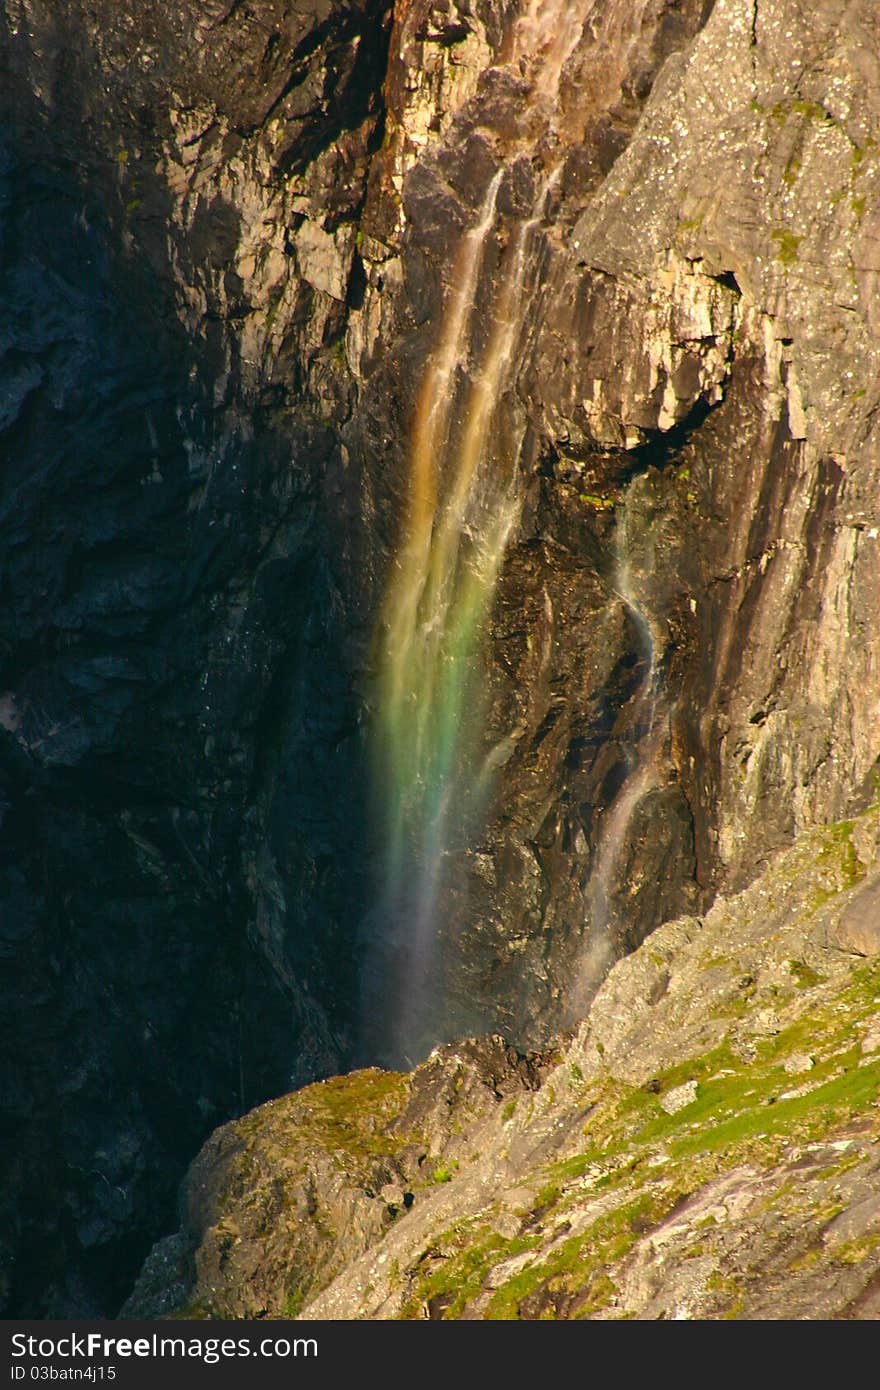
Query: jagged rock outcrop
320	1181
706	1146
227	234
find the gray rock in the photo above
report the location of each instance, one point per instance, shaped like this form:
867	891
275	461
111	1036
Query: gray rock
227	237
679	1097
859	927
589	1185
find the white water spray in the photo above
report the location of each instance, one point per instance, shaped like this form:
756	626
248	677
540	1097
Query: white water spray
463	504
642	751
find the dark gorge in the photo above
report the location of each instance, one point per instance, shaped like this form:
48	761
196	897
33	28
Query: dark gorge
438	546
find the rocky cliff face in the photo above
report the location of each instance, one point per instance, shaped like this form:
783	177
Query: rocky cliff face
705	1146
698	380
228	230
179	744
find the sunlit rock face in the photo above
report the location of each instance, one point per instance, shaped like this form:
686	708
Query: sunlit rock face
694	388
485	176
481	213
703	1146
233	240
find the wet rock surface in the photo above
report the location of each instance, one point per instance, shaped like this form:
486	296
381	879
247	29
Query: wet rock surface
227	231
684	417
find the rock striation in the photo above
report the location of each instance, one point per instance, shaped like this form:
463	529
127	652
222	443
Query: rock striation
227	235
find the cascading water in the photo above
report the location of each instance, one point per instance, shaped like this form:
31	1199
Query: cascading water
641	749
463	503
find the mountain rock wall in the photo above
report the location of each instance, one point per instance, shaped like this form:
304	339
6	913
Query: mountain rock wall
703	1147
227	231
179	745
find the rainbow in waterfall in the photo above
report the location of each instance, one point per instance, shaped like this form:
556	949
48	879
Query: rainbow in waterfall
462	506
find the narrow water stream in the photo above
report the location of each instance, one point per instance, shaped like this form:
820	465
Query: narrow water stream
641	747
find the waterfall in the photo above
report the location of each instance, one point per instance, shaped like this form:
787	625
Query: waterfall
641	749
462	505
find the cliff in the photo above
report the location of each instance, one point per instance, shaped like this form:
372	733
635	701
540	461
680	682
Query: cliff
175	678
705	1146
231	237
